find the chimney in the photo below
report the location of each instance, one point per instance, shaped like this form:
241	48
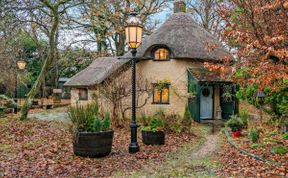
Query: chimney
179	6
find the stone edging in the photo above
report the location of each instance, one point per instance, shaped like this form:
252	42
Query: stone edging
268	161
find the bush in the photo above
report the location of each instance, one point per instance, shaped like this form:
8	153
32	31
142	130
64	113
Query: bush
244	115
279	149
285	136
254	134
256	145
156	124
187	119
85	118
235	123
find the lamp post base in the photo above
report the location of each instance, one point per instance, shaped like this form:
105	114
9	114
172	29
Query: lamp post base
134	147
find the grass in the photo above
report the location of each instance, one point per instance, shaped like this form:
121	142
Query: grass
180	163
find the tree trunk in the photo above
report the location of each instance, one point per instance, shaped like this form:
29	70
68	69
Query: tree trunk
28	101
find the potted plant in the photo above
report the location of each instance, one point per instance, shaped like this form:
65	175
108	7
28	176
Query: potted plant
153	134
236	125
92	135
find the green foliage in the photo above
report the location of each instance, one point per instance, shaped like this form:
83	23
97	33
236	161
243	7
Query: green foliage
97	124
254	134
106	122
256	145
278	102
86	118
269	140
156	124
186	121
244	116
285	136
279	149
235	123
285	123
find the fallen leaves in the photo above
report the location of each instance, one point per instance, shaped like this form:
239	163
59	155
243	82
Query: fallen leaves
41	149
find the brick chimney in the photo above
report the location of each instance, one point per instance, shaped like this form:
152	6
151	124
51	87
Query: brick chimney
179	6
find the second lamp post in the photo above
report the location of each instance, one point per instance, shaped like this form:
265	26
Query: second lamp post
133	30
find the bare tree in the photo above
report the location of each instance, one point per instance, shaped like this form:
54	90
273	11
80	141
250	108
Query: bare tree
117	91
206	14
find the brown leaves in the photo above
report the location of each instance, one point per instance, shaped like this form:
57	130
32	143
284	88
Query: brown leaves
42	149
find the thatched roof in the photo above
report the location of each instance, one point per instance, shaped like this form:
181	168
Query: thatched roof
201	74
184	38
97	72
180	34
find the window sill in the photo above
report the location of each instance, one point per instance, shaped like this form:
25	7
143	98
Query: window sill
161	59
160	103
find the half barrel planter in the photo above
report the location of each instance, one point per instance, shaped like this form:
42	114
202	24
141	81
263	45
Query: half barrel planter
93	144
153	138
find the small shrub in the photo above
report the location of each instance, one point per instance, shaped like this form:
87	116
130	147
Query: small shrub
235	123
156	124
176	128
85	118
244	115
254	134
187	119
106	122
97	124
279	149
285	136
256	145
285	123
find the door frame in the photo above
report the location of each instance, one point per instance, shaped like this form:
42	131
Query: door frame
200	92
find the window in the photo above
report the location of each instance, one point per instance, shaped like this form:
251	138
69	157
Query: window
161	94
83	94
161	54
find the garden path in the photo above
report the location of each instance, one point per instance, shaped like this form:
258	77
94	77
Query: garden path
196	159
58	114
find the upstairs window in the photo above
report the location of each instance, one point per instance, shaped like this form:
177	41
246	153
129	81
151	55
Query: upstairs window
161	94
161	54
83	94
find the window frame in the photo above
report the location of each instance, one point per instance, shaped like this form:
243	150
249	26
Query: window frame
82	98
159	48
160	101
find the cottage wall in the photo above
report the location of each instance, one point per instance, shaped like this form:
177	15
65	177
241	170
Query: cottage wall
174	71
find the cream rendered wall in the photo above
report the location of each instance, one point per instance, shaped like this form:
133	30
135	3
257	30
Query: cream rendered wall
176	72
173	70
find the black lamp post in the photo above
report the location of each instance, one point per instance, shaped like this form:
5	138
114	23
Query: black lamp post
133	29
21	64
260	96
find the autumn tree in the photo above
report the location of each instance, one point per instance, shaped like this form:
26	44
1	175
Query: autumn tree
257	30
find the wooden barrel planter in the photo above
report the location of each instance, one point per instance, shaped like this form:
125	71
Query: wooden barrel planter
153	138
93	144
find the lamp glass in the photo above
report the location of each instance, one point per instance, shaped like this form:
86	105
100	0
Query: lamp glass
21	64
133	30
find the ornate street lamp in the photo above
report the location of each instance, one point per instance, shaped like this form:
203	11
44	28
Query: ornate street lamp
133	29
260	97
21	64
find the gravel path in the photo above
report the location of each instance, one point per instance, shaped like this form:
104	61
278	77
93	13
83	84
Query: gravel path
50	115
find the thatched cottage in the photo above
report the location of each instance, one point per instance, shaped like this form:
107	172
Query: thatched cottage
172	60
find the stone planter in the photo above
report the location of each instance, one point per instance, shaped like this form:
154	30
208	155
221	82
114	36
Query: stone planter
153	138
93	144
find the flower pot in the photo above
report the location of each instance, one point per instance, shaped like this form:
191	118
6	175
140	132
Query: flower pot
236	134
153	138
93	144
